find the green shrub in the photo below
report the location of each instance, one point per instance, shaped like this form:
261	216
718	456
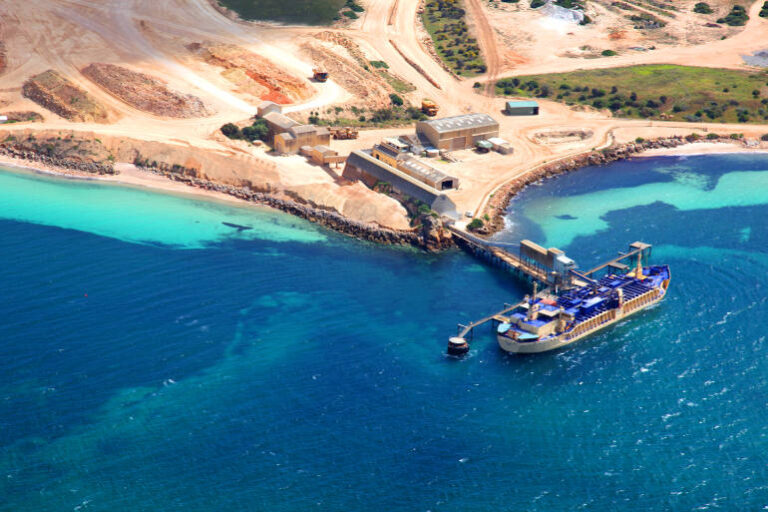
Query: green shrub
257	131
350	14
535	4
736	18
764	137
231	131
608	53
379	64
639	140
396	100
475	224
712	136
702	8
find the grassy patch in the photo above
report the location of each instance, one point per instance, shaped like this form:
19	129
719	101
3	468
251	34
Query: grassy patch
681	93
311	12
445	22
397	84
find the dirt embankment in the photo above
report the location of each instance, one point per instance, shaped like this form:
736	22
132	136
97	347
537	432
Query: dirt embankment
72	153
56	93
23	116
2	57
328	50
144	92
253	74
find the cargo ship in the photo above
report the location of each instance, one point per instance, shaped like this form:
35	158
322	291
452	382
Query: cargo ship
550	321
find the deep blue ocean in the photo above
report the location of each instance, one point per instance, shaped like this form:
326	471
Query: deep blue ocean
153	358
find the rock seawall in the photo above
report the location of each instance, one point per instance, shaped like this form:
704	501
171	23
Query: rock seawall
431	236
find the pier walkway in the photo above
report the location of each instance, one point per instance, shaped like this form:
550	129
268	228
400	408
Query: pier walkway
500	254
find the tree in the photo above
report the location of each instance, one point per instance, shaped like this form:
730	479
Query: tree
232	131
258	130
475	224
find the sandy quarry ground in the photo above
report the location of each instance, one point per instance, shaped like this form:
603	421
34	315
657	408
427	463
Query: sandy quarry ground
154	38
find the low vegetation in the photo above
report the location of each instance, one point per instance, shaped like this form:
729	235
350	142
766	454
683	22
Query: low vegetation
351	10
764	10
395	115
682	93
311	12
736	18
702	8
257	131
445	22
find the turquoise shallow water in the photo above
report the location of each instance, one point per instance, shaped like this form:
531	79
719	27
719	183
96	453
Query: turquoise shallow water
152	360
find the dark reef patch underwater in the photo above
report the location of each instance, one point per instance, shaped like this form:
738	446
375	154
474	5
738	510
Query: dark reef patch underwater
153	358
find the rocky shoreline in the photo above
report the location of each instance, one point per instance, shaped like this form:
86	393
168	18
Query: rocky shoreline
34	157
497	206
430	236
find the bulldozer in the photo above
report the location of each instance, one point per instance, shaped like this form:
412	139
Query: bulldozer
429	107
319	74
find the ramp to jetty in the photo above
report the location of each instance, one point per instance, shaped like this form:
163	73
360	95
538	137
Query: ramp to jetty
548	267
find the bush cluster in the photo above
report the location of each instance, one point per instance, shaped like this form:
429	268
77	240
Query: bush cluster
257	131
702	8
736	18
445	20
630	104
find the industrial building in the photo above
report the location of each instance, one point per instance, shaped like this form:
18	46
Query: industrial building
522	108
458	132
287	135
393	152
366	168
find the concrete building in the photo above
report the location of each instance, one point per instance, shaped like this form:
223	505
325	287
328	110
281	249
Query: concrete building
291	141
394	153
364	167
522	108
267	107
287	135
458	132
501	146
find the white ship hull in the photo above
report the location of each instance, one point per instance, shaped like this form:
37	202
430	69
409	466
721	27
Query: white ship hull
583	329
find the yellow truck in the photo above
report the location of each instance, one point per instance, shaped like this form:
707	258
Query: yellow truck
429	107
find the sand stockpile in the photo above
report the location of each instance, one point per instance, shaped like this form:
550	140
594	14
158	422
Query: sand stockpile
54	92
253	74
144	92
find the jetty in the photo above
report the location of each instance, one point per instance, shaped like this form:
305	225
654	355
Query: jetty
550	271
